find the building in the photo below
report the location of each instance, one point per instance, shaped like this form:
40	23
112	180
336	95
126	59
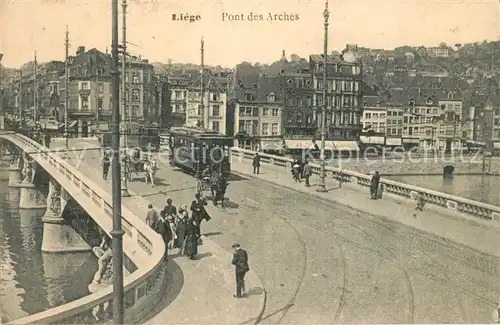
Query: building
211	112
258	118
485	113
344	97
450	122
374	114
421	114
178	100
439	52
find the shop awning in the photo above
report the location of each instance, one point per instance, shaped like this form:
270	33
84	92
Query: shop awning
410	140
328	145
346	145
299	144
393	142
271	144
72	124
496	145
476	143
372	139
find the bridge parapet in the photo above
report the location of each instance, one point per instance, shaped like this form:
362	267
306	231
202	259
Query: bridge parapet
447	201
142	246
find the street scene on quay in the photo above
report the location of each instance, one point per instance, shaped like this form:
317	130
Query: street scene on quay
249	163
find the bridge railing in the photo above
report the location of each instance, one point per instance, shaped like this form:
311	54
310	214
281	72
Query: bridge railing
143	246
448	201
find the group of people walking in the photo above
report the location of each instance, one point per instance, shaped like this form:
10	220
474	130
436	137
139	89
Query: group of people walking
179	228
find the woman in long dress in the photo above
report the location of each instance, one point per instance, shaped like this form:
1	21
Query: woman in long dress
181	227
191	241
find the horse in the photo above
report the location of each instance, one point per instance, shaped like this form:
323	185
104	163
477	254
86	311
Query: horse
150	169
218	189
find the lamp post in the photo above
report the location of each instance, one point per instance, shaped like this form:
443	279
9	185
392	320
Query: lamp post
35	90
322	186
117	232
124	144
66	96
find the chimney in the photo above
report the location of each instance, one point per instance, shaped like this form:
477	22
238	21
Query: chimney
80	50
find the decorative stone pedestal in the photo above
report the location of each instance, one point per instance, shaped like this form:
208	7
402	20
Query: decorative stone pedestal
59	237
14	176
31	197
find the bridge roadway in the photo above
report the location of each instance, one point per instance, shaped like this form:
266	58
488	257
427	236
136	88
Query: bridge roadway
321	262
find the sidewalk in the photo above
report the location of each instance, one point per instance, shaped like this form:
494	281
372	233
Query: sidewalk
199	291
473	232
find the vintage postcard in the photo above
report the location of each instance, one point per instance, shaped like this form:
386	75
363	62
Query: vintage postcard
249	162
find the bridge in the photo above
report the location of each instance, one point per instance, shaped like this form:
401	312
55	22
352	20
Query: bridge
321	257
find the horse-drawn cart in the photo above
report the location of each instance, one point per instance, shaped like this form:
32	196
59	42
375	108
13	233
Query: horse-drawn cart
137	162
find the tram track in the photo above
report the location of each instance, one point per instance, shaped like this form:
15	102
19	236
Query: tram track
392	258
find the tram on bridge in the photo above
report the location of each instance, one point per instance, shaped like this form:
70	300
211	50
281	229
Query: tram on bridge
193	150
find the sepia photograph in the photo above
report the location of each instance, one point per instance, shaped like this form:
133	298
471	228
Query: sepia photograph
249	162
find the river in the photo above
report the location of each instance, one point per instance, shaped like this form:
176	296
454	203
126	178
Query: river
32	281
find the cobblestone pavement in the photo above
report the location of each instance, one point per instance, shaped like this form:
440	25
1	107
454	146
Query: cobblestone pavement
321	262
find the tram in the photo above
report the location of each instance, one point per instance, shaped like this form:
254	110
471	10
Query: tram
194	149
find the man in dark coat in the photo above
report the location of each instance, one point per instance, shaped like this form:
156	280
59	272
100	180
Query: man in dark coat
256	163
375	181
106	162
169	209
162	227
240	262
199	213
307	173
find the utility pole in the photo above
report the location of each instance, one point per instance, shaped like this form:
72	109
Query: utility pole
66	96
35	91
117	232
20	97
124	142
201	118
322	186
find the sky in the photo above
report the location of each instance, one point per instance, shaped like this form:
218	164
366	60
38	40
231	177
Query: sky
29	25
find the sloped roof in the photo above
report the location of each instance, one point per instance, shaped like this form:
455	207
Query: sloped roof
330	59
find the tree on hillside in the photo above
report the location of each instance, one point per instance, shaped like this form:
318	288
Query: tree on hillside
295	58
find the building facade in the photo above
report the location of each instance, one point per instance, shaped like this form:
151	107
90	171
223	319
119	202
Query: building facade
344	96
450	123
209	112
420	122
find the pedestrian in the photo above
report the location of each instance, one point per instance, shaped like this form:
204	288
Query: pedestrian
106	162
151	216
256	164
170	209
307	172
191	240
199	213
163	228
171	224
181	227
374	183
240	262
296	170
419	199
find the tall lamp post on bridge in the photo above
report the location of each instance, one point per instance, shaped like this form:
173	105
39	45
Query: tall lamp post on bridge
66	95
322	186
117	232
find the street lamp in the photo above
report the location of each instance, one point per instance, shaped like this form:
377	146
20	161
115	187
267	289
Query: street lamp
322	186
124	144
117	232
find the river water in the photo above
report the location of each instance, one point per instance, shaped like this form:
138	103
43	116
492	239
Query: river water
32	281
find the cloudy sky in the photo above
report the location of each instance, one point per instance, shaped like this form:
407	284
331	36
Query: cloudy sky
29	25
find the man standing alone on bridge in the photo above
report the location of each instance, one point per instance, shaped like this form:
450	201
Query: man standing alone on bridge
307	172
240	262
256	164
106	162
374	184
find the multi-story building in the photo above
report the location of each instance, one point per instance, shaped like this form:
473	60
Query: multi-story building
374	114
450	123
344	97
48	90
486	122
258	112
90	90
420	122
211	112
441	52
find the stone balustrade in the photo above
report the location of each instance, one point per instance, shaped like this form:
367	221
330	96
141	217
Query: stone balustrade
142	247
451	202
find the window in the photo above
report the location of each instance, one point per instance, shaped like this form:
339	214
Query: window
347	85
265	128
320	84
255	127
136	111
347	101
241	126
271	98
85	102
215	126
215	111
135	94
85	85
200	109
275	112
178	94
135	77
255	111
249	97
248	111
215	97
99	103
100	87
265	111
274	129
248	127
